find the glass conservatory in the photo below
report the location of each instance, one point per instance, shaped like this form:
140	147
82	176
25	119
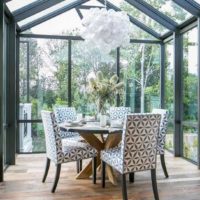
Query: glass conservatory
44	61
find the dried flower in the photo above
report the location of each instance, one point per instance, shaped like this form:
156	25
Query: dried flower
104	90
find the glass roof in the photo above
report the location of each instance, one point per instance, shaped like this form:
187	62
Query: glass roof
134	12
45	12
67	23
171	9
167	7
17	4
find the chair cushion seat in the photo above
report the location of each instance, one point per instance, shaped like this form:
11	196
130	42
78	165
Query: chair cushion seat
114	158
73	150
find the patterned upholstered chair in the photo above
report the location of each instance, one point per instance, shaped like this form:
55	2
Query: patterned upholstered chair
65	113
59	153
138	149
162	137
119	112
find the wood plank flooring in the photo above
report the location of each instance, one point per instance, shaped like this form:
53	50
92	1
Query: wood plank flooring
23	182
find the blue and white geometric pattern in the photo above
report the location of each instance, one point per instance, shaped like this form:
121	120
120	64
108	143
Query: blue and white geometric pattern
63	114
119	112
55	150
139	143
163	130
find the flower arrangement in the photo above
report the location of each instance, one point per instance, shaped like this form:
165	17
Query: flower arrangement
104	90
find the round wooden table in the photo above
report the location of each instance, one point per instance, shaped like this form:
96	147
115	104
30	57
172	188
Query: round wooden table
94	135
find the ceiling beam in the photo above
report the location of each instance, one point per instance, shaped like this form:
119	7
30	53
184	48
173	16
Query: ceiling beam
87	7
6	1
189	5
186	24
52	15
33	8
154	14
134	21
79	13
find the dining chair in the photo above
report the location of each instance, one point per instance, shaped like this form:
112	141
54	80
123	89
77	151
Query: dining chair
59	153
162	137
119	112
137	151
64	113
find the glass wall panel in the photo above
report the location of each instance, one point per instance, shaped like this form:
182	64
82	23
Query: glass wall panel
43	76
190	95
169	93
86	62
140	71
171	9
31	137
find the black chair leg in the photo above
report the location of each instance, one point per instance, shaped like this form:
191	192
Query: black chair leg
154	184
46	170
57	176
162	159
131	177
80	165
124	189
77	166
94	169
103	173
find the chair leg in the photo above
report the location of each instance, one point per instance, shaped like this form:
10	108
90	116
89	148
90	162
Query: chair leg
103	173
154	184
162	158
124	189
94	169
46	170
77	166
80	165
57	176
131	177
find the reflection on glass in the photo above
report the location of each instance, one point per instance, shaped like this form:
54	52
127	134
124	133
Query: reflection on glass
171	9
140	71
86	62
43	76
169	94
190	98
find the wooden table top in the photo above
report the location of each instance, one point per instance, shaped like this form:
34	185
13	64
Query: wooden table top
90	127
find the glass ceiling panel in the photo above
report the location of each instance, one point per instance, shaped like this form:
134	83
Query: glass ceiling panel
67	23
171	9
45	12
17	4
198	1
93	3
131	10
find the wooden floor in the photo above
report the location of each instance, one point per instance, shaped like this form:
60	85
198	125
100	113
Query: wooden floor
23	182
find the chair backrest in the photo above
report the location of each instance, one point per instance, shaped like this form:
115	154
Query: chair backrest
52	136
163	129
139	142
64	113
119	112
